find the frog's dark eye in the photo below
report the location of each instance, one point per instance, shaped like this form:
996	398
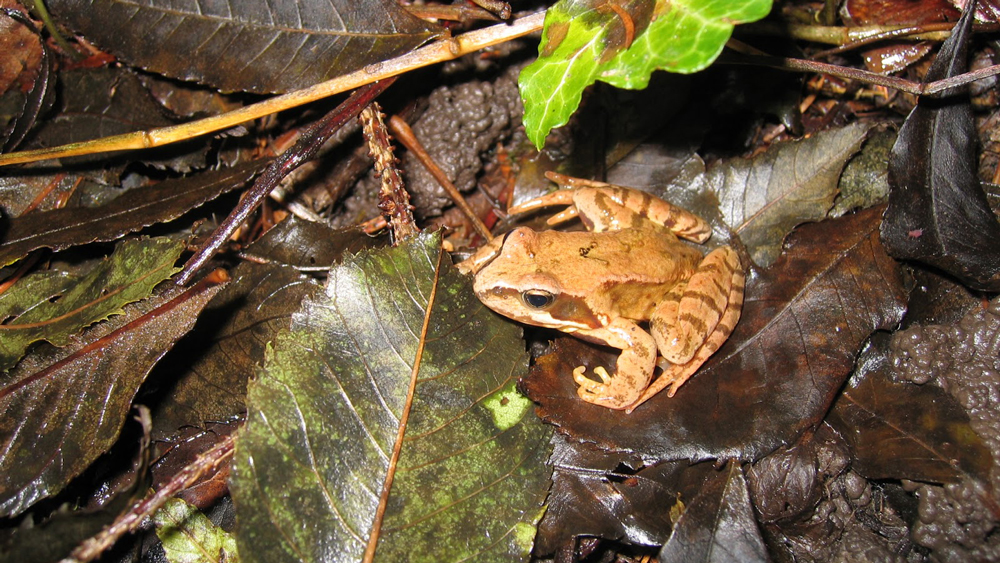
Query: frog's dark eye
537	298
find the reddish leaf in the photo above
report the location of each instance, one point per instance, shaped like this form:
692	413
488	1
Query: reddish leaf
63	408
20	48
803	321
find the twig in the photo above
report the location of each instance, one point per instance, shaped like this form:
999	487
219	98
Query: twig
916	88
304	149
128	522
439	51
405	136
393	200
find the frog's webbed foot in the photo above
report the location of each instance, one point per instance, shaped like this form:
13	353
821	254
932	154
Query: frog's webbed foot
606	392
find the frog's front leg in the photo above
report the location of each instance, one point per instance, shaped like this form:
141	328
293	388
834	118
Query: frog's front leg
633	370
481	257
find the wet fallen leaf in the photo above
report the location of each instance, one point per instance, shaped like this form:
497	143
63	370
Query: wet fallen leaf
802	324
599	495
20	50
54	306
718	525
130	212
98	102
248	45
206	378
938	214
762	199
25	64
900	430
64	407
330	407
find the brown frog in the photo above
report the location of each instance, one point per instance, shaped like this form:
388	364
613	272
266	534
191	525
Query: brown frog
600	284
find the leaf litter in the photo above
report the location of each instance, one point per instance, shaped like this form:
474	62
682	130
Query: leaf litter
582	502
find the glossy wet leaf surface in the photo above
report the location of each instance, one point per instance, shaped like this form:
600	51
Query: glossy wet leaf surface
53	306
86	389
205	379
248	45
325	418
890	439
803	321
133	210
938	214
718	525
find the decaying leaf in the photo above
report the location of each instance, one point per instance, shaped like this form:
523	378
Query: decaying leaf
133	210
54	306
206	378
803	321
938	213
904	431
20	49
248	45
718	525
24	59
97	103
64	407
596	494
762	199
332	405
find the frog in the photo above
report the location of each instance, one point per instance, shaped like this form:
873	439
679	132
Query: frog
628	282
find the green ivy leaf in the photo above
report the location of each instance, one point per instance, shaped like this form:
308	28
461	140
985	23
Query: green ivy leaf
621	43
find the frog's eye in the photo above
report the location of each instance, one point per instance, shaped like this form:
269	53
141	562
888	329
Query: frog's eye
537	298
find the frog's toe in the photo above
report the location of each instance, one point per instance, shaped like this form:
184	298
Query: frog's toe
600	393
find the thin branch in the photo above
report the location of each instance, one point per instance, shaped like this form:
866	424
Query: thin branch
908	86
128	522
436	52
304	149
409	140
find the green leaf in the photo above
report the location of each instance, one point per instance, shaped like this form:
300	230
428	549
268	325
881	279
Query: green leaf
312	465
54	306
188	536
588	40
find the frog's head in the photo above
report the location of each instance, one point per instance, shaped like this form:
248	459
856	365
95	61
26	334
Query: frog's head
515	285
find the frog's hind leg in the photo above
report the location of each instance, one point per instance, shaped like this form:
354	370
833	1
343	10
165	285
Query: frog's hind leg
607	207
696	320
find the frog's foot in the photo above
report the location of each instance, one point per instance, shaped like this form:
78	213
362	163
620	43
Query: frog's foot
606	393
